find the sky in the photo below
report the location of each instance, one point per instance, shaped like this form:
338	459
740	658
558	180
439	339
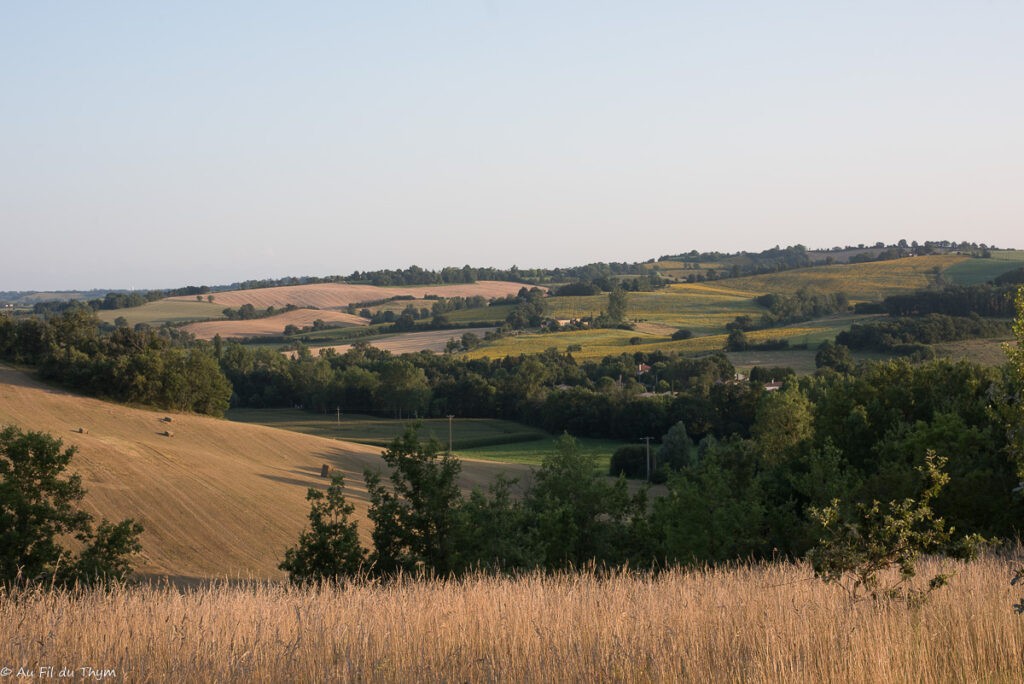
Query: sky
155	145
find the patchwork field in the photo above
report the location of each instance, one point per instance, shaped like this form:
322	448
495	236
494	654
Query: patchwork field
272	325
338	295
218	499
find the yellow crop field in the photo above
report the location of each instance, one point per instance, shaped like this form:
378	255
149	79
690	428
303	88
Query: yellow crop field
861	282
752	623
218	499
595	343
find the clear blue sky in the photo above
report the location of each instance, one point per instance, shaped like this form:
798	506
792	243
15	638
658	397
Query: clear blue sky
157	144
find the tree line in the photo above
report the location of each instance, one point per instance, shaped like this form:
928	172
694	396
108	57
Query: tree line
806	478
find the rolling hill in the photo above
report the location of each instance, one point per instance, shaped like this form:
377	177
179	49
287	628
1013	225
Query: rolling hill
271	325
338	295
217	499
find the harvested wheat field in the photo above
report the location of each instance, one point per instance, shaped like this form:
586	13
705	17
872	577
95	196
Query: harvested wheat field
410	343
337	295
271	325
217	499
759	623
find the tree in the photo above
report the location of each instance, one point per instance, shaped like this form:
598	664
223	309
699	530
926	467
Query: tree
403	387
677	450
1015	355
415	519
330	549
39	506
578	516
785	422
617	305
835	356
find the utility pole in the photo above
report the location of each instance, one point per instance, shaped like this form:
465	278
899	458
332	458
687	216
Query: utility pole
339	417
648	441
450	416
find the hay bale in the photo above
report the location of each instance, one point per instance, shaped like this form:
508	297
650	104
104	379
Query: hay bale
167	433
166	419
82	431
325	470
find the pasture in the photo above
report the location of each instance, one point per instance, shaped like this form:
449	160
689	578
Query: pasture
534	451
181	310
771	622
364	429
976	271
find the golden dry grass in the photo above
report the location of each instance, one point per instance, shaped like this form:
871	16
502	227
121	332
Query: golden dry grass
271	325
337	295
218	499
762	623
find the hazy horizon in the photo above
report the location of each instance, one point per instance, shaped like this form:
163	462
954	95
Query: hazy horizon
155	146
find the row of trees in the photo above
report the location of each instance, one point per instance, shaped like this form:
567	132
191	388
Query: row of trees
896	334
131	365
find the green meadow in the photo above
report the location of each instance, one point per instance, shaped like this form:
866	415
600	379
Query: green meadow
466	432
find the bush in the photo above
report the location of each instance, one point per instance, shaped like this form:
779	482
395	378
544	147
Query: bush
858	546
682	334
629	460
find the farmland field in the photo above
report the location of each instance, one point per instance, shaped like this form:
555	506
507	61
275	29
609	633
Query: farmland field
272	325
495	314
156	313
533	452
975	271
598	343
986	352
218	498
338	295
381	431
861	282
770	622
410	343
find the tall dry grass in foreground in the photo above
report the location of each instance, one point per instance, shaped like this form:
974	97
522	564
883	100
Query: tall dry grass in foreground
760	623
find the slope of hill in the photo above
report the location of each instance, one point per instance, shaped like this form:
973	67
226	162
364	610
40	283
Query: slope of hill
217	499
271	325
337	295
872	281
